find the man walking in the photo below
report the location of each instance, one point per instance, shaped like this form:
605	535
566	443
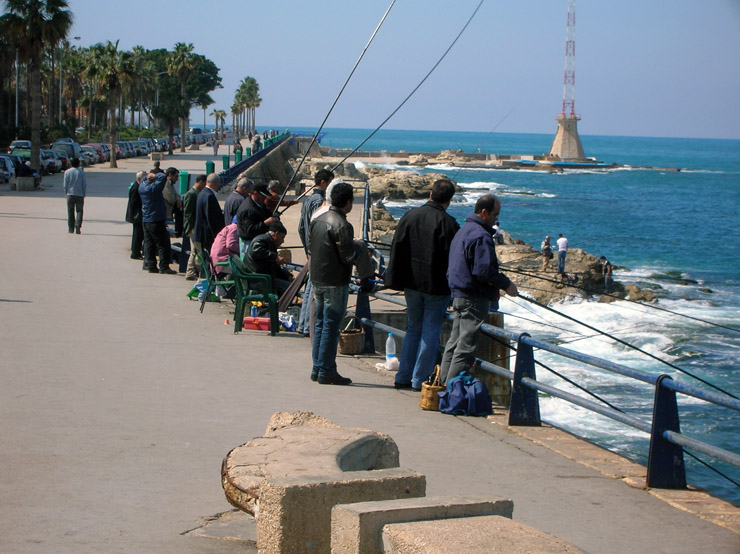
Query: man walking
153	215
189	202
321	181
332	253
475	281
75	187
562	243
209	219
418	266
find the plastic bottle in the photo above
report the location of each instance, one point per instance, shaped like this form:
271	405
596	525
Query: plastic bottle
391	362
254	312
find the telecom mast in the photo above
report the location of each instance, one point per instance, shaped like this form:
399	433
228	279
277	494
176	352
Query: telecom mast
567	143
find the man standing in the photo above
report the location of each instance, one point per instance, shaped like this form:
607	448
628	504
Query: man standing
562	243
189	203
209	219
171	197
75	187
154	212
242	189
606	271
253	218
133	216
418	266
321	181
475	281
332	253
546	249
262	257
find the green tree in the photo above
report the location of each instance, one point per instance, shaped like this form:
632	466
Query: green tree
33	26
181	63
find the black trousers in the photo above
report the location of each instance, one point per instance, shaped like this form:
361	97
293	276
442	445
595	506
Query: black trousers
156	239
137	239
74	204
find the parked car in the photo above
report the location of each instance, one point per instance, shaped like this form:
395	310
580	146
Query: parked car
7	171
53	162
68	145
25	155
64	158
19	144
91	152
16	161
98	149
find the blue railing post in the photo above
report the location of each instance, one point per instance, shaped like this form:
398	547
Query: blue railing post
525	406
666	469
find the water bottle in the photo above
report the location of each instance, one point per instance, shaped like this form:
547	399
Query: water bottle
391	362
254	312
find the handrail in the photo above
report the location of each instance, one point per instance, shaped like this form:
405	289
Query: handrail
228	175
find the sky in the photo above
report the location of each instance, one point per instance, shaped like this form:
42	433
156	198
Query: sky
643	67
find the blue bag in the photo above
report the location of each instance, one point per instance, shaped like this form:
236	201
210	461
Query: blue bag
465	395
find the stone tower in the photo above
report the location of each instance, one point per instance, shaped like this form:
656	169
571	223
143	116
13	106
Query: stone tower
567	144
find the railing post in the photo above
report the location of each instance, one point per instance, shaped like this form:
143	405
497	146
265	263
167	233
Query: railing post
362	311
665	461
525	406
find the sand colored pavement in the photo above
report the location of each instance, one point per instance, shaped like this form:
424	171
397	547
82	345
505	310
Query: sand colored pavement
119	401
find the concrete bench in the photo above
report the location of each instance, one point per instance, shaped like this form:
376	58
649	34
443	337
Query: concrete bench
471	535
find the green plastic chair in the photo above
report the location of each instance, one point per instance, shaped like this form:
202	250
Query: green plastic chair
252	287
208	269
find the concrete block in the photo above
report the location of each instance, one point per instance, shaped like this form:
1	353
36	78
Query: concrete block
295	512
358	527
24	183
472	535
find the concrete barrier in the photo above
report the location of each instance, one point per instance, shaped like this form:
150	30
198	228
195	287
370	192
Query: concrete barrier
24	183
471	535
358	527
295	512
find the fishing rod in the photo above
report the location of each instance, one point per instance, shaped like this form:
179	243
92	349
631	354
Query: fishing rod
313	140
415	89
651	306
628	345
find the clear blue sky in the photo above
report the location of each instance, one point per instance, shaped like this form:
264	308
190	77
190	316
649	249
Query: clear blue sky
643	68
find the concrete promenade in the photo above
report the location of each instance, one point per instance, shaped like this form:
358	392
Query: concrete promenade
119	400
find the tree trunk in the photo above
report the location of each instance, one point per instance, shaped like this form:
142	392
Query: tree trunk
112	129
35	114
171	138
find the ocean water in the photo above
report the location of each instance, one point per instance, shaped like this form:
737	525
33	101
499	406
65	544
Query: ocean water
676	233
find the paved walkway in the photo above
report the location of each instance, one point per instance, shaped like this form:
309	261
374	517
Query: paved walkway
119	401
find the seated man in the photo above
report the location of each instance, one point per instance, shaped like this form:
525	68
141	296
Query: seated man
262	257
225	244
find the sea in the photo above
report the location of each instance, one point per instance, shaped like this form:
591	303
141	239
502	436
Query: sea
675	233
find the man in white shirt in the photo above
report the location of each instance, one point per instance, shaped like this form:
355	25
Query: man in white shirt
75	187
562	251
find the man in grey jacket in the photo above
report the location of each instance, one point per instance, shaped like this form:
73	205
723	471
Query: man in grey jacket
75	187
332	254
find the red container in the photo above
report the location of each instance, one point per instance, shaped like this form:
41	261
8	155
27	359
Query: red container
260	323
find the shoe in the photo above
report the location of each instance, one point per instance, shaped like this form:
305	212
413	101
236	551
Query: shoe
137	257
168	271
71	231
334	380
401	386
77	231
416	389
191	278
314	377
153	270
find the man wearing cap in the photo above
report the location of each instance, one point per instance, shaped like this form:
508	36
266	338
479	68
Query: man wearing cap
189	204
253	218
209	219
262	257
242	189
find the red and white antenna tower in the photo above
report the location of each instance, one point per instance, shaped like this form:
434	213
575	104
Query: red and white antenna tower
569	77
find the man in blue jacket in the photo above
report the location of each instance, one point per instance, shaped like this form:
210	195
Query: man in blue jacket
153	216
475	281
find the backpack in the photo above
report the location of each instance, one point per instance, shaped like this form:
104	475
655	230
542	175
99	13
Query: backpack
465	395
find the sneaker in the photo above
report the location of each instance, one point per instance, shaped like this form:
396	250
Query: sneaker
77	230
314	377
191	278
153	270
334	380
167	271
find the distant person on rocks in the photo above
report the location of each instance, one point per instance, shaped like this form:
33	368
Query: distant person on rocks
475	281
209	219
253	218
498	236
332	253
156	237
242	189
189	204
75	187
156	168
546	249
133	216
562	252
312	203
262	257
606	271
418	267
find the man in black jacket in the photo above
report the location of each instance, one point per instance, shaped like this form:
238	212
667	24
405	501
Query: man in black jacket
209	219
418	266
332	254
253	217
262	257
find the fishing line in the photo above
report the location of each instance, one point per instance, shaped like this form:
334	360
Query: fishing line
625	343
313	140
415	89
714	469
486	137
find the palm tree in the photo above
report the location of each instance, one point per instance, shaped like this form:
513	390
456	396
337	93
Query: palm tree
111	70
32	26
181	63
220	117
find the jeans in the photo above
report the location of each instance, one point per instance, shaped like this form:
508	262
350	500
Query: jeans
74	204
330	303
460	349
425	314
561	261
304	320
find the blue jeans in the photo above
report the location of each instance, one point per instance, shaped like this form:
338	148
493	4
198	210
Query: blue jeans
304	319
425	314
331	306
561	261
